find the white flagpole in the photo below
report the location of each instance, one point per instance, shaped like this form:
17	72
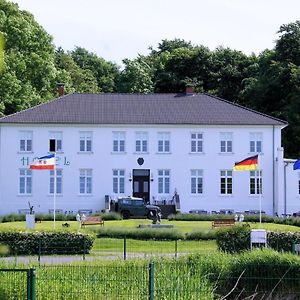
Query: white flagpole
259	186
54	192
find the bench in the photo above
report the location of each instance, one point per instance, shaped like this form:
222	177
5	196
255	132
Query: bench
223	223
92	221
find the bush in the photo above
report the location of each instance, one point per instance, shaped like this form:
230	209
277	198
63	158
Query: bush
197	217
46	243
202	235
111	216
140	233
233	239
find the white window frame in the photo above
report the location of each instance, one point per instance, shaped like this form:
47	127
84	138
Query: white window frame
163	142
255	142
226	142
85	181
226	182
58	137
196	142
26	139
164	181
59	181
196	182
118	181
141	142
25	181
119	142
85	141
255	182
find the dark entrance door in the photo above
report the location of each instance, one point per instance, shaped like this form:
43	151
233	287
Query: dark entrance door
141	184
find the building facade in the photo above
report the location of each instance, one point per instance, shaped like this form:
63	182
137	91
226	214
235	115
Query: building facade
151	146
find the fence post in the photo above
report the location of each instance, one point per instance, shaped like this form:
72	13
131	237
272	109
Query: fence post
124	248
151	281
84	249
176	248
31	284
40	252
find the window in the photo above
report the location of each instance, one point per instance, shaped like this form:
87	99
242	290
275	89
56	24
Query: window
163	181
163	142
55	141
25	182
118	141
256	142
226	182
141	142
196	181
119	181
196	142
25	141
255	182
85	141
85	181
226	142
58	181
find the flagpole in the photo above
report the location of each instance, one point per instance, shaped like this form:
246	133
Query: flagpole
259	187
54	193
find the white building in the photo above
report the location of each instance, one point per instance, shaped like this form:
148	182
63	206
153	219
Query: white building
143	145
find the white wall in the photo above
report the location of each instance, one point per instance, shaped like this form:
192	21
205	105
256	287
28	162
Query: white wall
180	161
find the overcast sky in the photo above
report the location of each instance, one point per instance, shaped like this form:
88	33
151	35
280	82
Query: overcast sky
118	29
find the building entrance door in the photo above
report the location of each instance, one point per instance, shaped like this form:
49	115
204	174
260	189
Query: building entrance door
141	184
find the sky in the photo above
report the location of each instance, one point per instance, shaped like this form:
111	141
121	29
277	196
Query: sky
118	29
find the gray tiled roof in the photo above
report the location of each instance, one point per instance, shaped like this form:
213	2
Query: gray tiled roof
199	109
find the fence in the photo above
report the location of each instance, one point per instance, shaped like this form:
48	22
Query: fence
165	280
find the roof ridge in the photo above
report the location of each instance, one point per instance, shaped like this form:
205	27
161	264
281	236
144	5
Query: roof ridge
245	107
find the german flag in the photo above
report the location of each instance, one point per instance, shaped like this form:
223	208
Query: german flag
249	163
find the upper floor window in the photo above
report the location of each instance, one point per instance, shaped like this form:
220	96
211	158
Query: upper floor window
85	181
226	142
55	141
163	181
25	141
163	142
25	182
226	182
85	141
196	142
58	173
196	181
255	183
141	142
118	141
119	181
256	142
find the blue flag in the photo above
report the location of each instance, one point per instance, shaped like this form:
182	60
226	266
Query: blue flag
297	165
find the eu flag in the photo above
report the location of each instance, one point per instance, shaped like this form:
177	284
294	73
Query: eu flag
297	165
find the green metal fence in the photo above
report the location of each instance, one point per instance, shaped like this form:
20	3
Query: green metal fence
16	284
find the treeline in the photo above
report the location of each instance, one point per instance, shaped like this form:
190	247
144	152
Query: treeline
269	82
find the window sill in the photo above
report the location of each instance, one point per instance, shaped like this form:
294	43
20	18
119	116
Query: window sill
226	195
118	153
85	195
196	195
255	195
163	153
226	153
25	152
24	195
196	153
255	153
56	195
85	152
140	153
55	152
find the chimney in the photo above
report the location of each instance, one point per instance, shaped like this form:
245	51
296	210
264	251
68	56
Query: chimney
189	90
60	89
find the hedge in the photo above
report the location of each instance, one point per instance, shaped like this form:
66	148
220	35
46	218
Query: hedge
46	243
237	239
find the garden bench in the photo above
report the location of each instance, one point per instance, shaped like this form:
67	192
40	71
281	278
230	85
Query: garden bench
92	221
223	223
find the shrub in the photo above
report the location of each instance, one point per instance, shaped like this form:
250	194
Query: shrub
233	239
202	235
196	217
111	216
46	242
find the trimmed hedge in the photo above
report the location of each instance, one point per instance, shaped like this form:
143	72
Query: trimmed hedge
46	243
237	239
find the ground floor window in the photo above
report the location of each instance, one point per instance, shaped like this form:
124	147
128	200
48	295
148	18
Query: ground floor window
255	183
196	181
25	182
226	182
85	181
163	181
119	181
58	174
